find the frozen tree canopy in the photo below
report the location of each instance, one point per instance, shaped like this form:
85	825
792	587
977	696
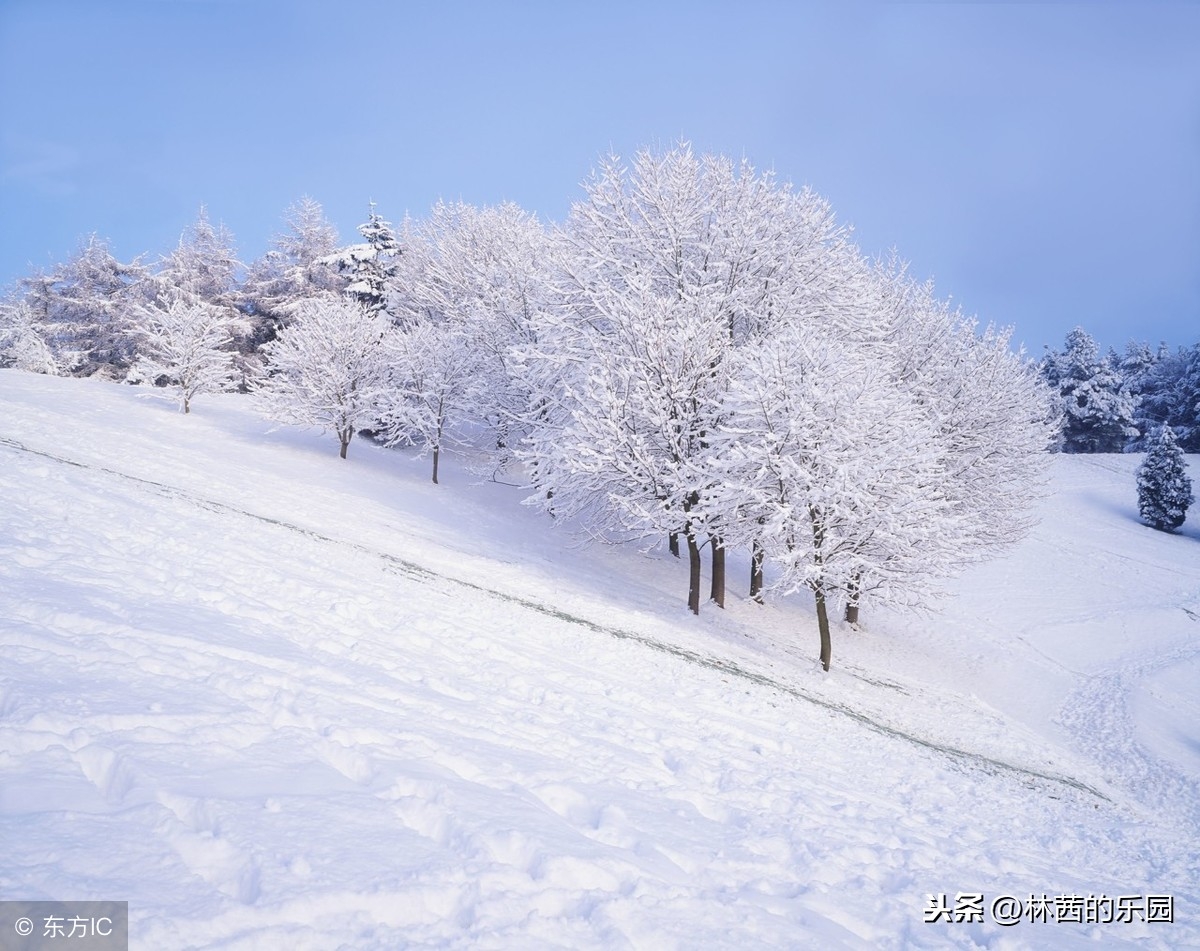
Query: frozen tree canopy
185	345
721	364
326	368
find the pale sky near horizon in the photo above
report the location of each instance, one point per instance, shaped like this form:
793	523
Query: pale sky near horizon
1041	162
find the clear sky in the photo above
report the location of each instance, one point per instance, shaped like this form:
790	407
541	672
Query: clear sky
1041	162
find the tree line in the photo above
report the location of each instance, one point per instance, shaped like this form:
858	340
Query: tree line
698	356
1117	402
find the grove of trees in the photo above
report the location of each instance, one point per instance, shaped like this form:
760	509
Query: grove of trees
698	356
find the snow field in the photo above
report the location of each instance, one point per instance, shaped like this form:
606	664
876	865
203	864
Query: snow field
265	695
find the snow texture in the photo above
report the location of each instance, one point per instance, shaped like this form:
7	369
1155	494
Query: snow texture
278	700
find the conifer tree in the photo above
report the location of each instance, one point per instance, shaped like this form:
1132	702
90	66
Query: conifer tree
296	268
1096	407
371	265
82	310
1164	489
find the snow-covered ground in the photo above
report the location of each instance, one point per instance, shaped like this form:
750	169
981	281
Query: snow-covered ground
278	700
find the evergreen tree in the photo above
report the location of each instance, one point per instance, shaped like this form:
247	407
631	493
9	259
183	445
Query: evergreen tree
1171	397
370	266
1164	489
1097	409
294	269
82	310
203	266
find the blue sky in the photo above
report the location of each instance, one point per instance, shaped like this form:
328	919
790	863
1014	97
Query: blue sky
1041	162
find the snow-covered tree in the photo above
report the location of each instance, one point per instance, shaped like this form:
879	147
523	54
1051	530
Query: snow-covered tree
626	425
835	473
993	417
82	310
326	368
203	266
22	346
430	366
665	267
1164	489
1170	395
1097	409
309	236
467	292
292	270
370	266
186	345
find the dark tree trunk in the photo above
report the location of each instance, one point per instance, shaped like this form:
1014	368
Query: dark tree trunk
437	445
717	590
689	534
823	627
756	570
693	572
345	440
673	543
852	602
818	585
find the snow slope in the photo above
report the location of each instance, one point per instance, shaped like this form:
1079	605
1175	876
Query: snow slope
278	700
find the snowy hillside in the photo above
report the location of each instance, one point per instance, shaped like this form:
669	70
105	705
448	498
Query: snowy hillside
279	700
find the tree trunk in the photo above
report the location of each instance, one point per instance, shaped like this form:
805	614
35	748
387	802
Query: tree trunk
717	590
823	626
693	571
673	543
689	534
437	443
852	601
345	437
756	570
818	584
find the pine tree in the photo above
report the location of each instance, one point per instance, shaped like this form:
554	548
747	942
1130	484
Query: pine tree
82	310
1097	409
203	266
295	269
370	266
1164	489
1171	396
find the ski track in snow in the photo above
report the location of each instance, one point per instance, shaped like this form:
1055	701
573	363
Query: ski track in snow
264	735
1098	715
